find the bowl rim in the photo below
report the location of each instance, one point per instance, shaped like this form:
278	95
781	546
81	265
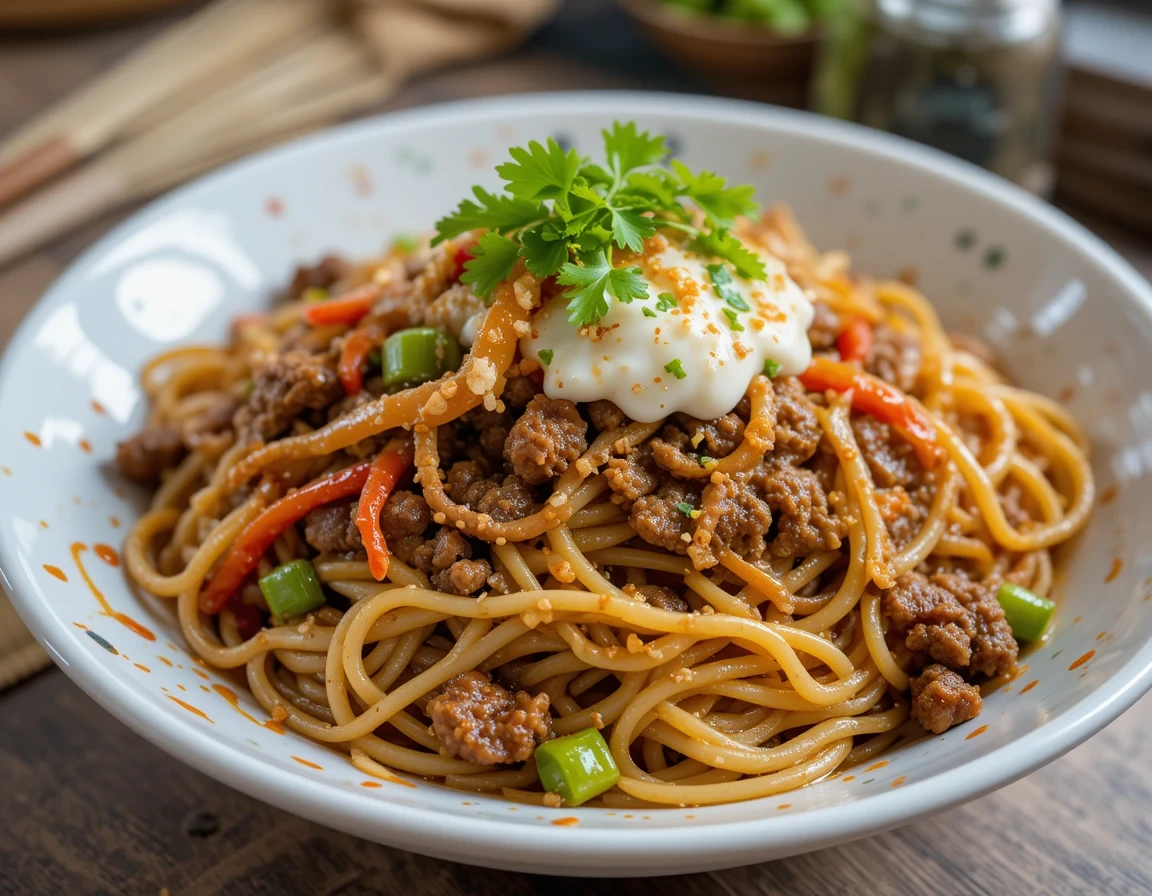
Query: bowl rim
485	840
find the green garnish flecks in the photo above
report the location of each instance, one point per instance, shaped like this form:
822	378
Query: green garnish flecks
565	216
771	368
675	368
705	460
648	312
545	355
665	301
726	288
733	322
685	508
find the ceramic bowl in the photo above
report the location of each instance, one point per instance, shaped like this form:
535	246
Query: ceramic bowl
1067	315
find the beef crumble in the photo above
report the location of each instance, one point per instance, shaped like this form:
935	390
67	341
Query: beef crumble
480	722
284	388
941	699
146	455
546	439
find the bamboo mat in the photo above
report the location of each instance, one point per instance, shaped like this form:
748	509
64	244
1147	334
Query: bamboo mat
20	655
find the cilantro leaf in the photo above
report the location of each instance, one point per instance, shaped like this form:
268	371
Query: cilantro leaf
543	250
648	312
733	321
594	281
771	368
675	368
725	288
493	259
540	172
628	149
493	212
715	198
665	301
722	243
630	228
545	355
685	508
659	187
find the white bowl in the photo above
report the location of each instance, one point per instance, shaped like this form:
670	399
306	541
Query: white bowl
1068	316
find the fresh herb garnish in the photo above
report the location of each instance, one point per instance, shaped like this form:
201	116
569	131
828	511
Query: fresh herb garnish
648	312
771	368
665	301
685	508
405	242
705	460
725	288
733	323
545	355
566	216
675	368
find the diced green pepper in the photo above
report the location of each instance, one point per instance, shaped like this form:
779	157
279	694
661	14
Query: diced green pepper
1027	614
418	355
292	589
578	767
315	294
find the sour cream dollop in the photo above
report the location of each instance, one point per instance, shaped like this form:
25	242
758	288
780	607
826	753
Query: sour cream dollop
633	359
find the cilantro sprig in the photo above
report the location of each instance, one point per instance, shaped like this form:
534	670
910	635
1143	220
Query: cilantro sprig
566	216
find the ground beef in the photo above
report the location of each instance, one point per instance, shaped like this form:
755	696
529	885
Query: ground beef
798	431
478	721
144	456
463	577
895	357
953	621
804	521
890	457
404	514
332	528
547	438
518	391
738	518
322	275
633	476
453	308
447	560
659	597
504	499
606	416
210	422
284	388
941	699
658	520
491	430
825	328
903	512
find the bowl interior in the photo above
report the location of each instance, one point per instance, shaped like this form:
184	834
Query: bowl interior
1066	317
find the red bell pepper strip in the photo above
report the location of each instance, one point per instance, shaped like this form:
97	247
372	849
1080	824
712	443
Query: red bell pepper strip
358	345
387	469
344	309
880	399
855	340
244	555
462	257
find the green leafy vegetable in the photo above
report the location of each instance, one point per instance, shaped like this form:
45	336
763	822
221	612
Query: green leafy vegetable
733	322
771	368
546	355
566	216
685	508
675	368
725	288
648	312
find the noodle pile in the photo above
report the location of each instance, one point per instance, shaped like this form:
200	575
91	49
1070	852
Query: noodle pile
780	674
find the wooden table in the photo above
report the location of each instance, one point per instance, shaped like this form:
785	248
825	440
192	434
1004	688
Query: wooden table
87	806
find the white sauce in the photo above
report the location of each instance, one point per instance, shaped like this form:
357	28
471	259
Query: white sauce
624	358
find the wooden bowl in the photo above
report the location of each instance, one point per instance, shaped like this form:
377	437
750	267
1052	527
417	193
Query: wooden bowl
67	13
739	59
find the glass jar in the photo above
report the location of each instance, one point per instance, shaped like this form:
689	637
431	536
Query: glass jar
977	78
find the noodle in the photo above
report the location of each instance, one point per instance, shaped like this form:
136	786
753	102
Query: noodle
719	666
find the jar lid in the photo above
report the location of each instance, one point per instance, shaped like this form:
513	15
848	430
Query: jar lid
952	21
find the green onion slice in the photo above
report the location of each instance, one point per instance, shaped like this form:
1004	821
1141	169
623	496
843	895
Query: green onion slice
1027	613
292	590
418	355
578	767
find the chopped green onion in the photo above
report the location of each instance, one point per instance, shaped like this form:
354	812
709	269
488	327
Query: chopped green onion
665	301
725	288
292	589
675	368
405	242
733	323
771	368
1027	613
577	767
705	460
418	355
315	294
545	355
685	508
648	312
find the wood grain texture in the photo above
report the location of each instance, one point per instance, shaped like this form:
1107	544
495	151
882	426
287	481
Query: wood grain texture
87	806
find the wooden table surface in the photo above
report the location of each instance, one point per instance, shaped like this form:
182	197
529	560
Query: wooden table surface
87	806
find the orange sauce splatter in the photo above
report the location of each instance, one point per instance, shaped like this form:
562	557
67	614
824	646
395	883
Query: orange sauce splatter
1109	495
107	554
205	689
81	626
568	821
848	778
167	662
762	159
33	438
976	733
899	781
85	446
181	687
1066	394
79	548
319	768
1076	620
141	667
7	470
43	524
876	765
784	806
839	185
113	522
1117	565
274	726
192	709
204	675
230	697
97	407
1102	636
274	207
378	784
1082	660
1030	685
55	571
